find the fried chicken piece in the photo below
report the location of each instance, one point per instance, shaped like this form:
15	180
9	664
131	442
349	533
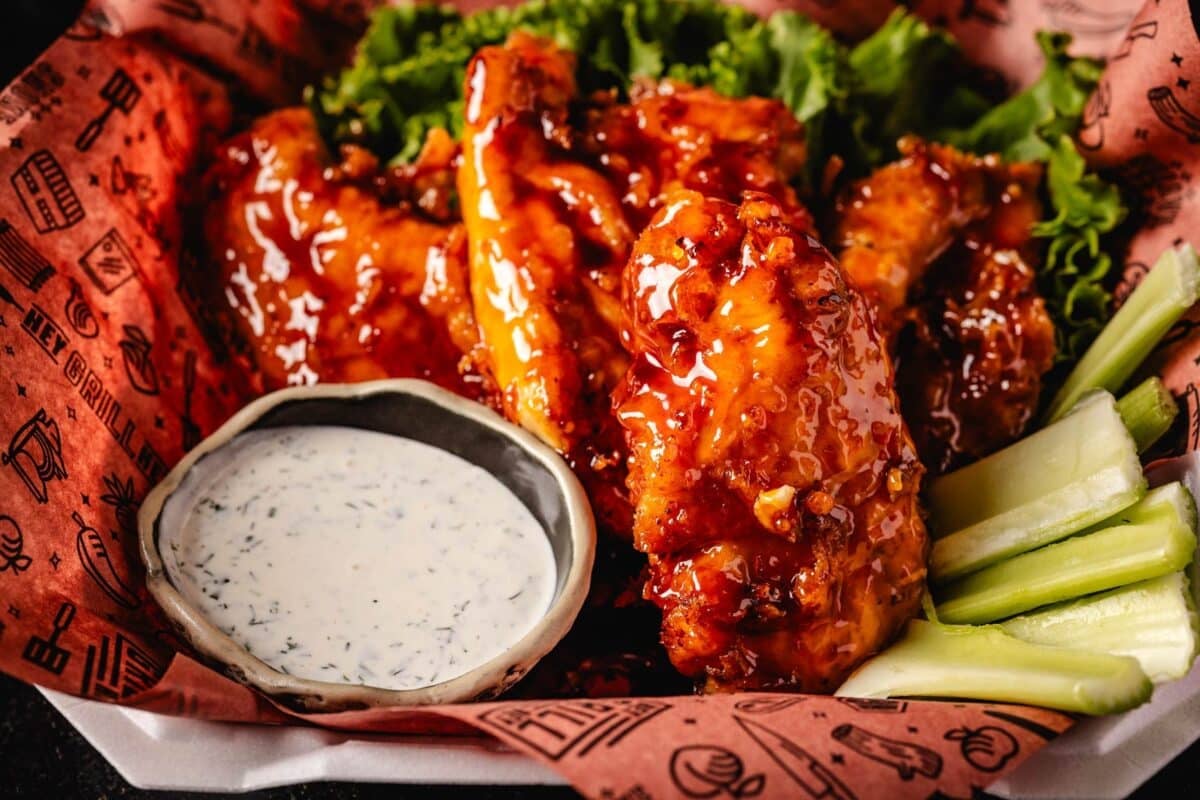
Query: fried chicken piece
548	241
552	216
942	242
894	224
672	136
775	484
972	363
326	282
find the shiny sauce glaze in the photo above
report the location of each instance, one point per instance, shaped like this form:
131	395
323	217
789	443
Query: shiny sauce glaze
979	339
775	483
553	191
351	556
941	243
325	281
672	136
891	226
548	240
551	210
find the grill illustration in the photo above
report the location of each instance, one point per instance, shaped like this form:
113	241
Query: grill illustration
46	193
120	93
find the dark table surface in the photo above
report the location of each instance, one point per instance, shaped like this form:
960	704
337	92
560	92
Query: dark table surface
42	756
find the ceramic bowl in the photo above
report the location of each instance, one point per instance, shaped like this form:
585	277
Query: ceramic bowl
415	410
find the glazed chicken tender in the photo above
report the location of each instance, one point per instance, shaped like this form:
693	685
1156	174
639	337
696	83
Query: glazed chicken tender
775	483
673	136
324	281
547	243
941	243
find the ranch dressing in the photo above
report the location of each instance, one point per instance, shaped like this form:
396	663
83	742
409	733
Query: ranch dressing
352	556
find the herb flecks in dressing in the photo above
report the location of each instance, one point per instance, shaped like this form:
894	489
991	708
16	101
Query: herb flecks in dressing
352	556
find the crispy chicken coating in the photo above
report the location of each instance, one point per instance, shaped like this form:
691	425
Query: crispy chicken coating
552	212
895	223
980	340
775	484
941	242
323	280
672	136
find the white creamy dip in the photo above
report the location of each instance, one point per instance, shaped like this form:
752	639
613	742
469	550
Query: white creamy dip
351	556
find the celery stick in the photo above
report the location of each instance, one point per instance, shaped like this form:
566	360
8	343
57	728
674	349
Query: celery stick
1156	537
1172	499
1148	411
1153	621
1170	288
1193	573
1043	488
984	663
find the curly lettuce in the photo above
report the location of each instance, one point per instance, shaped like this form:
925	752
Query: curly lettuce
407	76
1037	125
1077	270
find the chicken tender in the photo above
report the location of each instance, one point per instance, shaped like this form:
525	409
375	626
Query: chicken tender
672	136
323	280
774	481
547	243
941	243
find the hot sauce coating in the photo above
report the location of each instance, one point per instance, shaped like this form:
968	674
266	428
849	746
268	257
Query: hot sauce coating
672	136
547	242
554	189
774	480
894	224
324	280
981	340
942	243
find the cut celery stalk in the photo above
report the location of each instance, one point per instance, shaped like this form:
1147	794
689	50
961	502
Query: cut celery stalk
1173	498
1147	411
1170	288
984	663
1045	487
1153	621
1157	537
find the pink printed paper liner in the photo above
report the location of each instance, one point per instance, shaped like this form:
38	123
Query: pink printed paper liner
105	380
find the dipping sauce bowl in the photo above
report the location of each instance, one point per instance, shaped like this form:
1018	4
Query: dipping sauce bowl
410	409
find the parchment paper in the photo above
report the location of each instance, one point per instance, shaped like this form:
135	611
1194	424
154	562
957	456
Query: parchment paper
106	379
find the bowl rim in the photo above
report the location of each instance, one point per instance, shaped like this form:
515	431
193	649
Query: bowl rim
483	682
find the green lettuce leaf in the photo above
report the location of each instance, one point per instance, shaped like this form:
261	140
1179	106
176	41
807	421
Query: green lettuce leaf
857	102
407	76
1026	126
1077	270
897	85
1037	125
812	79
